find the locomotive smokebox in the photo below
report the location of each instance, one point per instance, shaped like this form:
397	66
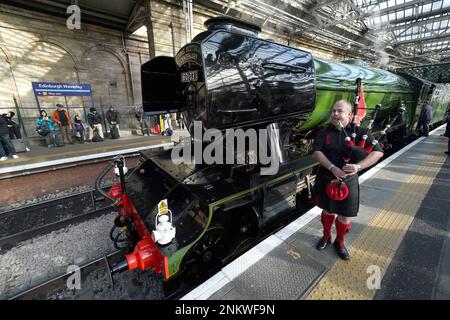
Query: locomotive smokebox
227	77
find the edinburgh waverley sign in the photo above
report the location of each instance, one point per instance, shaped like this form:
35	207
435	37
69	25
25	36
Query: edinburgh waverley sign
61	89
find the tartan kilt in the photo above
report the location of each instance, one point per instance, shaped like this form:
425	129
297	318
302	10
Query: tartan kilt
348	207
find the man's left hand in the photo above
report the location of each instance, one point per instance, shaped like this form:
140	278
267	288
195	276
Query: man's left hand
351	169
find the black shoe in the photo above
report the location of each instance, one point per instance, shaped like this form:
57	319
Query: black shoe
341	251
447	152
322	244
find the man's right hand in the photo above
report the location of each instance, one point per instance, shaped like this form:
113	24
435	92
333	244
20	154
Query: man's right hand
338	173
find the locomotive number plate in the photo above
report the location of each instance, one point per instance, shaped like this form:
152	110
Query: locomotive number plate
189	76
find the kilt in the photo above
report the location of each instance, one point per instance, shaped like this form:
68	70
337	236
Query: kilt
348	207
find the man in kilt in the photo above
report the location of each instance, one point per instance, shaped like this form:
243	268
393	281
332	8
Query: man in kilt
340	161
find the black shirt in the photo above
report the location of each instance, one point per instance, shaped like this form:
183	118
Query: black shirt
3	126
62	118
331	142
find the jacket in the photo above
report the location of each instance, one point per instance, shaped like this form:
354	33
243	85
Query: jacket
112	116
3	126
55	117
51	124
94	119
426	113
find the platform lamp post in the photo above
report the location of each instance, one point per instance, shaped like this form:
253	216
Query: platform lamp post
67	105
19	117
103	114
92	101
111	84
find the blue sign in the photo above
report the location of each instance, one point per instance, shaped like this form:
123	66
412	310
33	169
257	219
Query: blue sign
52	89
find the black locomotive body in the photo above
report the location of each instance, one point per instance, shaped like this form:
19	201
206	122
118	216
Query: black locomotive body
189	217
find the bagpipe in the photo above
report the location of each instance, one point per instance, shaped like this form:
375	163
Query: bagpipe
358	151
355	151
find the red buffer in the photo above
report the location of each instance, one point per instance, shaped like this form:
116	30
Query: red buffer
146	255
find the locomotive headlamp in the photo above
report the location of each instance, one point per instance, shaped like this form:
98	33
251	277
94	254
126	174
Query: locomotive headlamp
165	231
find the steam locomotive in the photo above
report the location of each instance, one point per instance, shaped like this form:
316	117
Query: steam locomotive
188	218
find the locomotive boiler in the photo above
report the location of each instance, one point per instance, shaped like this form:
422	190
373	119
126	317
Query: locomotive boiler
190	217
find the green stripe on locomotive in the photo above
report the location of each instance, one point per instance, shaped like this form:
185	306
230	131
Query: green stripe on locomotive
335	81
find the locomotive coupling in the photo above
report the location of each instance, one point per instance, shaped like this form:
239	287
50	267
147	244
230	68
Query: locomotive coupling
120	267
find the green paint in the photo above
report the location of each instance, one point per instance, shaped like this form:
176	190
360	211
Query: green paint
176	258
336	81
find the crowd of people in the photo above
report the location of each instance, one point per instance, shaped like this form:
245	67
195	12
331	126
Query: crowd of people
59	129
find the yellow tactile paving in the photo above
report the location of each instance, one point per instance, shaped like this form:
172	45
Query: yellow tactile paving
378	242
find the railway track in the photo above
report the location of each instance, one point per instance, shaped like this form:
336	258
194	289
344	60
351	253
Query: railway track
96	280
29	221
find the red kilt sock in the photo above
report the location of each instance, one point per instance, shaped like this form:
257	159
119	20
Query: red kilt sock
327	222
341	230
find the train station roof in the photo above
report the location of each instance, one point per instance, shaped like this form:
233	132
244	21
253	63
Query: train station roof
396	32
406	32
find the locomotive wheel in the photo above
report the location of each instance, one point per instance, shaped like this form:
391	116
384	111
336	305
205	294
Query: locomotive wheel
207	254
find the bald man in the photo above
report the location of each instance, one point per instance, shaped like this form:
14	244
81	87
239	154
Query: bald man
330	150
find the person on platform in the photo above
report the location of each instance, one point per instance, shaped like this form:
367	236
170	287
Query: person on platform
113	119
95	121
61	117
332	152
46	128
5	141
425	119
140	117
78	126
447	128
14	129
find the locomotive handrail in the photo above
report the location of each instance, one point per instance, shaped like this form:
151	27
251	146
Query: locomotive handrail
235	111
283	67
99	179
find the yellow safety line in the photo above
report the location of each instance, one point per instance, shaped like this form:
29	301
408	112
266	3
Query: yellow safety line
378	242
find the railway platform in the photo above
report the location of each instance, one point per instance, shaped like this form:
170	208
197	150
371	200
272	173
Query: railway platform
42	156
48	171
399	244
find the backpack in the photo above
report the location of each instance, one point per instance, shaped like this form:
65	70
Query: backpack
114	132
96	136
43	129
168	132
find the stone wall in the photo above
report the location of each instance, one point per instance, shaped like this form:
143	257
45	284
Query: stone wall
39	47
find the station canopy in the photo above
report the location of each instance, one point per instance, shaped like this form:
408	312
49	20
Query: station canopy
398	32
391	33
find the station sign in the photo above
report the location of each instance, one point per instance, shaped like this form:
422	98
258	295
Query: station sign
52	89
